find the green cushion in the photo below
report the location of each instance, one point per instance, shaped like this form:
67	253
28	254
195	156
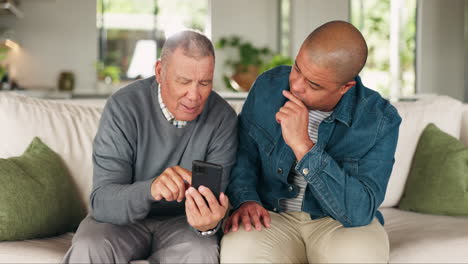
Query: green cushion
37	197
438	179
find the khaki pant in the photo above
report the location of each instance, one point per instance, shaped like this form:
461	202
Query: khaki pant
295	238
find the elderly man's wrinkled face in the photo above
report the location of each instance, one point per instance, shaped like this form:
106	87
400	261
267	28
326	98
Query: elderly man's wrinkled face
185	84
315	85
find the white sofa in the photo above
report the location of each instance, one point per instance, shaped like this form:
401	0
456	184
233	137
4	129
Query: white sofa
69	128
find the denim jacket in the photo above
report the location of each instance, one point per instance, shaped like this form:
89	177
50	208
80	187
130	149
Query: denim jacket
347	170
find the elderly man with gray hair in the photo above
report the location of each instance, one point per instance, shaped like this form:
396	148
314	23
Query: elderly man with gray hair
143	206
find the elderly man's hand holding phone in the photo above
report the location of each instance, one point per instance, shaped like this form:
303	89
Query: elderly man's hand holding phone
200	189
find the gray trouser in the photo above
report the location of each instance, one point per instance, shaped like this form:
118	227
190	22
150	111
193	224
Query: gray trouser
169	240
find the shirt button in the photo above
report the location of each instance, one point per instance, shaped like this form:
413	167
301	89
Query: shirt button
290	189
305	171
279	170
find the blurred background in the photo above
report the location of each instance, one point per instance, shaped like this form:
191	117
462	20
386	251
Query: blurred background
93	47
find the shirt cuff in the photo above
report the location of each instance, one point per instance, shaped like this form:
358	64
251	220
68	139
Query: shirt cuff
312	162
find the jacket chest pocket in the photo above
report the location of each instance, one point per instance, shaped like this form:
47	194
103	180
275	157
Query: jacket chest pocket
262	138
350	166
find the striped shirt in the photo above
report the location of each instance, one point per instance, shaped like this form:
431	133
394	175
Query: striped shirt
168	115
295	178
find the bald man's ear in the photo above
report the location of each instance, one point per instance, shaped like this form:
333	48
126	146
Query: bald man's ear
345	87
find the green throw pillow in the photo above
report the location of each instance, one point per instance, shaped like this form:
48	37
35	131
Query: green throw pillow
37	197
438	179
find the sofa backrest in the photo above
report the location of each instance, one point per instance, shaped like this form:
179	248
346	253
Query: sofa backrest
68	129
443	111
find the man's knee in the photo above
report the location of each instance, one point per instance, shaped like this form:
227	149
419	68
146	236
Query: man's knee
366	244
237	247
87	249
93	242
205	250
94	235
244	246
266	246
191	248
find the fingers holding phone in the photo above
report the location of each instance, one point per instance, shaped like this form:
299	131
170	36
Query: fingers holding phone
171	184
203	209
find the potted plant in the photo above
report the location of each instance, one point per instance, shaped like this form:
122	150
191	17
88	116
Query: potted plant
247	62
277	60
108	74
3	55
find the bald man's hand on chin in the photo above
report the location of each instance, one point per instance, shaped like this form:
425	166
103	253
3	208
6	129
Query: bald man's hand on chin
294	120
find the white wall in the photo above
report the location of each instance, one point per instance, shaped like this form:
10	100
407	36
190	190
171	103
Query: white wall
440	51
253	20
56	35
309	14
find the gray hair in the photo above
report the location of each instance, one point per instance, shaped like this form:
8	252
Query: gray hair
193	44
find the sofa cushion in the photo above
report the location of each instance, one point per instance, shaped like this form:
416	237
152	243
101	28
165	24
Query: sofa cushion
423	238
37	198
438	179
443	111
66	128
47	250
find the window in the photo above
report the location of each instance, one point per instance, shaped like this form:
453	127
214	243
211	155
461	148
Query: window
285	27
132	33
389	27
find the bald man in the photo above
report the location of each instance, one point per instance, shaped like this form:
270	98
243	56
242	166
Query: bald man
316	149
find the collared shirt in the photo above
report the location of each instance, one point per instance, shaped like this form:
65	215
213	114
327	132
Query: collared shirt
167	114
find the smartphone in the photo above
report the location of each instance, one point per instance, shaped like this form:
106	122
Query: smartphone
207	174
